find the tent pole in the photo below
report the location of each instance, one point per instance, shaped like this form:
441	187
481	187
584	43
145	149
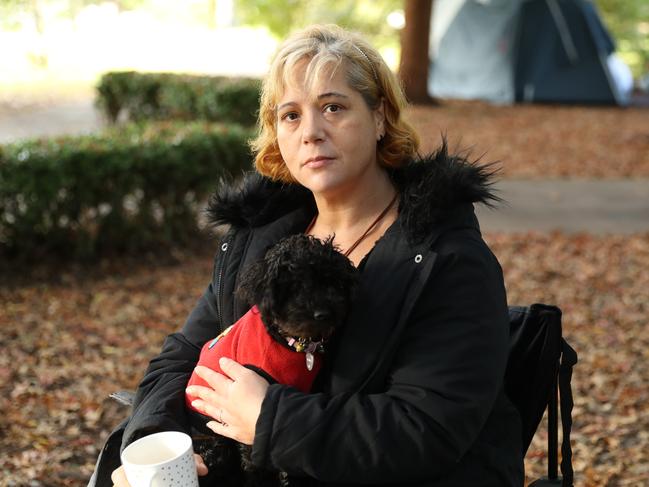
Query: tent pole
564	31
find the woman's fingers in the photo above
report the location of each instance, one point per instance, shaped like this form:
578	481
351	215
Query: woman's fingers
208	409
233	369
206	394
233	401
221	429
211	400
201	468
119	478
218	382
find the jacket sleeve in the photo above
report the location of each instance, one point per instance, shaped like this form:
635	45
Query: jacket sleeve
160	398
443	382
159	403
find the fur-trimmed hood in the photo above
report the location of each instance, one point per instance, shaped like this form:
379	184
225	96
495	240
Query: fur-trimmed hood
430	187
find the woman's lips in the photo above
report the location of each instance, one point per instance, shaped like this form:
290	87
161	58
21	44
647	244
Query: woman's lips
317	162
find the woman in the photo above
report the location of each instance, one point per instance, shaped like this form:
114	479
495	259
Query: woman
412	391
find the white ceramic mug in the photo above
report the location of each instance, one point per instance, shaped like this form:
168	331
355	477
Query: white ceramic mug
161	460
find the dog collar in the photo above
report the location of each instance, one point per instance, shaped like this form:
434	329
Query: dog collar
308	346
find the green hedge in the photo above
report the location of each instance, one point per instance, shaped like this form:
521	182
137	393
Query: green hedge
131	188
144	96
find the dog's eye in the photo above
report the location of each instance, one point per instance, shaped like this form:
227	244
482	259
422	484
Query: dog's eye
321	315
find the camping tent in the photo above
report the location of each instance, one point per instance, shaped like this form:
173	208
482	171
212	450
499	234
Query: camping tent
521	50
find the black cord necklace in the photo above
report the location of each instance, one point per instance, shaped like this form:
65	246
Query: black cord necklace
366	233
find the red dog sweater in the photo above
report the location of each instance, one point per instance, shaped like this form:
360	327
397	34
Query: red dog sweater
248	342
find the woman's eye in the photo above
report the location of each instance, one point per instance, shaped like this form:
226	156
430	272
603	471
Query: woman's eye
290	116
332	108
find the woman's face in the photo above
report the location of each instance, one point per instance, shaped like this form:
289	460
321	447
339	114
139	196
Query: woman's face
327	135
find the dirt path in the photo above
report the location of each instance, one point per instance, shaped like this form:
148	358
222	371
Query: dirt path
597	207
74	116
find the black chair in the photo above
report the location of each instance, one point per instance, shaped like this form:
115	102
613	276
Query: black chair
540	366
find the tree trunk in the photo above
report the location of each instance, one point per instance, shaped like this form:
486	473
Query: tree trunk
414	64
37	16
211	14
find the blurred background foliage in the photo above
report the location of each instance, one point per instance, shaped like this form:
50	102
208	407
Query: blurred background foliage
628	20
284	16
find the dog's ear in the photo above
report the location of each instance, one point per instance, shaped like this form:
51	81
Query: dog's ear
251	284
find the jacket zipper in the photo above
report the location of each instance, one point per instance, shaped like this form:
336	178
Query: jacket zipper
220	269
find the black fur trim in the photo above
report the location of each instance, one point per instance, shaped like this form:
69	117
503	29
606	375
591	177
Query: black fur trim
254	201
430	186
437	183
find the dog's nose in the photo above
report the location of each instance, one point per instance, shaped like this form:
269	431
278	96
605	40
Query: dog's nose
321	315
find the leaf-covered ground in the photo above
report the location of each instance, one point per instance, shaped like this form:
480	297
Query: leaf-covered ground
67	344
543	141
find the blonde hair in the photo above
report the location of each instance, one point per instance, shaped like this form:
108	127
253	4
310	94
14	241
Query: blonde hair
327	48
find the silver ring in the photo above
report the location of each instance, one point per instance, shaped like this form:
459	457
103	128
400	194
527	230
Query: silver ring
221	415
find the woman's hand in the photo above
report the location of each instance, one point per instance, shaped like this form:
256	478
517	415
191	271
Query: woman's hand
119	476
233	401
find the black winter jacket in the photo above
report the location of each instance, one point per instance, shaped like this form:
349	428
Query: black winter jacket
412	390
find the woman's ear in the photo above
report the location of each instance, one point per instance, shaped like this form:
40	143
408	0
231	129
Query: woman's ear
379	119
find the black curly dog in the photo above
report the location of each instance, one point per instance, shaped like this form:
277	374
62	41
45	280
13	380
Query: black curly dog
303	288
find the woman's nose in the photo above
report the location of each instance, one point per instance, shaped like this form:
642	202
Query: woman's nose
312	128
